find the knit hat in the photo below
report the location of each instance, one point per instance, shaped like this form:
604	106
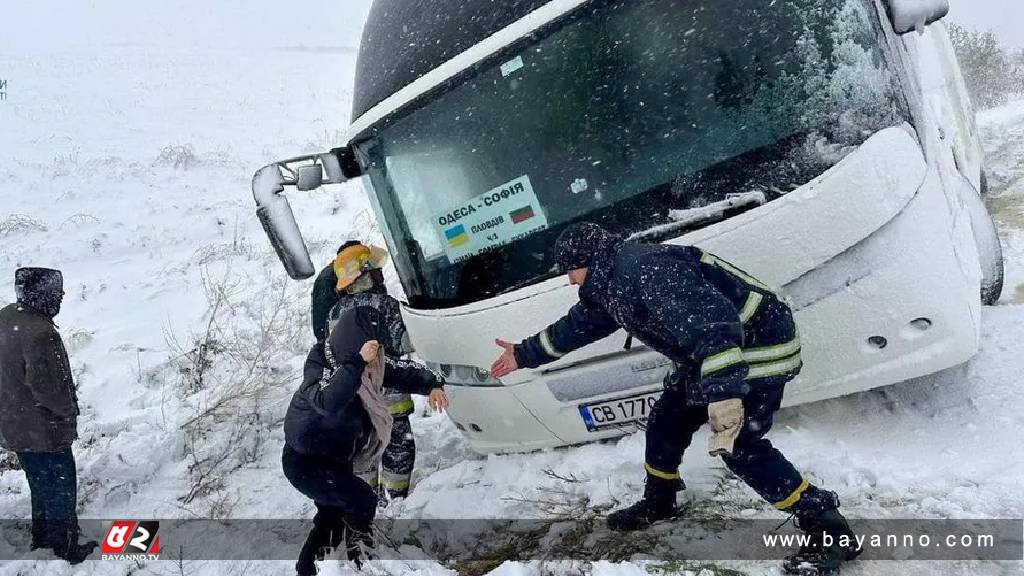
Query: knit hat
579	243
352	261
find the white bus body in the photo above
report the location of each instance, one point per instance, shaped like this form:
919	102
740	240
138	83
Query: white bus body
885	258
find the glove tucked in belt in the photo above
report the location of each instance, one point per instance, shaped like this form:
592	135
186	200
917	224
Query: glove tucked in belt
726	418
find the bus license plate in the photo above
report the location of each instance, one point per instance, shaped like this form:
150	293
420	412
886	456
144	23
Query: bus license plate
617	412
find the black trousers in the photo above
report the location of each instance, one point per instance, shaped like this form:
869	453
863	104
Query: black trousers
772	342
344	502
673	423
53	483
341	498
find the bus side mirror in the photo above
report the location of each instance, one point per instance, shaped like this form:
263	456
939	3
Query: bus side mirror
275	214
909	15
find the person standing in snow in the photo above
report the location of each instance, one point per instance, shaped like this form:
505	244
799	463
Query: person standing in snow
734	346
39	410
337	426
356	278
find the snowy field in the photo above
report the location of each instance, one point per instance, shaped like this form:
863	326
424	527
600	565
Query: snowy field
129	170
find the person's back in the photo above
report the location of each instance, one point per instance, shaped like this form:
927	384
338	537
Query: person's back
332	426
38	412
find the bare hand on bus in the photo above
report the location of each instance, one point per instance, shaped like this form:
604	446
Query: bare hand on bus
369	351
437	400
506	363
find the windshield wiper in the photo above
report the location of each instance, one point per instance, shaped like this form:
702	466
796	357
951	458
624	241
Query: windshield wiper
693	218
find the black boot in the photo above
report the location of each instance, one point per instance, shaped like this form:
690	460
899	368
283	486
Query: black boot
64	540
359	545
832	542
312	552
658	503
324	538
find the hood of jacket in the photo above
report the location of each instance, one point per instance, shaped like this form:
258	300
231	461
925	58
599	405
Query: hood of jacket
599	272
41	289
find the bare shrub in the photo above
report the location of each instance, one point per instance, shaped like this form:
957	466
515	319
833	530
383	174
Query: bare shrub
176	156
184	157
324	140
239	246
79	220
218	158
65	164
231	379
20	223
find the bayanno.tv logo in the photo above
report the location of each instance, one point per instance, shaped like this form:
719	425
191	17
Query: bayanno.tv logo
132	540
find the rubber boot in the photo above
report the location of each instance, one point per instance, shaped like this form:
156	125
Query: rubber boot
817	514
658	503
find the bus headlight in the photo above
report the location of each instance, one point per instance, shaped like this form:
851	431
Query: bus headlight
460	375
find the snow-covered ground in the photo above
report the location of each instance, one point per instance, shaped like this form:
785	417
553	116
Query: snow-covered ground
129	170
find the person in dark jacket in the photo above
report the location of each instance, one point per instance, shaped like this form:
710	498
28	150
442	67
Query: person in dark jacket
337	425
356	278
734	346
39	410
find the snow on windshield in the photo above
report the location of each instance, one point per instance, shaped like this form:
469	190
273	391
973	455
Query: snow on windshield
843	88
622	117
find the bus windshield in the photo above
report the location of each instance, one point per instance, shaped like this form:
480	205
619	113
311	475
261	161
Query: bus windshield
629	114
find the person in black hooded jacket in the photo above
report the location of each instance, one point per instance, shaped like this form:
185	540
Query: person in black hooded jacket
333	423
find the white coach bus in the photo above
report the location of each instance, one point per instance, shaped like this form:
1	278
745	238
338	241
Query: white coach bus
826	146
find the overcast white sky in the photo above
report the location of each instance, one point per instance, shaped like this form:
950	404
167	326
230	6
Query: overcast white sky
46	25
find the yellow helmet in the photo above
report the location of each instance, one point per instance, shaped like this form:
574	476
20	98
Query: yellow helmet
351	262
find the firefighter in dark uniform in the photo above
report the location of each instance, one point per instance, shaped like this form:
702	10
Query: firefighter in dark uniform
355	278
734	346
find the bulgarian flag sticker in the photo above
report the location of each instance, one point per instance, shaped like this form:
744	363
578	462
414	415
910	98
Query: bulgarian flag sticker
502	215
521	214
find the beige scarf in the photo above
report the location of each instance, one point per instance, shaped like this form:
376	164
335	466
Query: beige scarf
371	394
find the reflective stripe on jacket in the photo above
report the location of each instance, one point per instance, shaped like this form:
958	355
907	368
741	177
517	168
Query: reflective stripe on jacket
682	302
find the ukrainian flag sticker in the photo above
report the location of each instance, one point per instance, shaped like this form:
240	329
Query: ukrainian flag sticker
456	236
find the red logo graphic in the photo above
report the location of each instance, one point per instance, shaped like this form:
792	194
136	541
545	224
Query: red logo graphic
132	539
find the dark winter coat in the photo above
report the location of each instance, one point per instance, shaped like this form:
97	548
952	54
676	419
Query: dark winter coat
38	403
326	417
323	298
395	338
678	300
327	303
